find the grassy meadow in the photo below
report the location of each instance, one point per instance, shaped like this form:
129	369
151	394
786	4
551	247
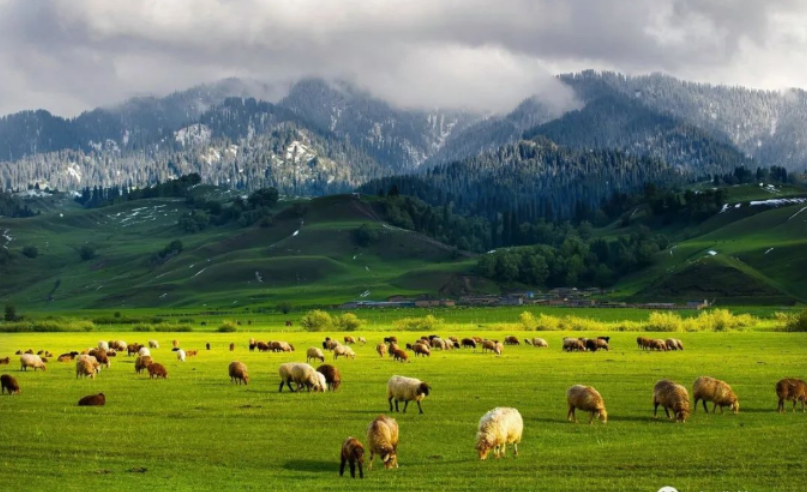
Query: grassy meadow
197	431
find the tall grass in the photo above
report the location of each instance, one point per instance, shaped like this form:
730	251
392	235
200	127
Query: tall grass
716	320
47	325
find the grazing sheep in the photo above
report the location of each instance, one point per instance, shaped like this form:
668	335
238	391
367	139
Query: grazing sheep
5	361
381	349
498	348
103	346
584	341
409	346
382	439
450	345
573	345
30	351
192	353
425	341
587	399
142	363
468	342
333	378
674	344
421	349
539	343
478	340
671	396
118	345
299	373
8	383
657	344
344	351
594	344
488	345
391	348
157	371
143	351
399	355
511	340
607	339
323	383
238	373
349	340
66	357
791	389
263	347
86	368
330	344
111	353
98	400
362	340
400	388
181	355
282	346
498	428
31	360
101	357
438	343
643	343
719	392
392	339
232	347
154	344
352	453
314	353
133	349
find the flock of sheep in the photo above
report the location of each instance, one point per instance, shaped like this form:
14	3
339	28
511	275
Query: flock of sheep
496	429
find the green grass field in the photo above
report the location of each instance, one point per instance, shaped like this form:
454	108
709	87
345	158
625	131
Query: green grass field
197	431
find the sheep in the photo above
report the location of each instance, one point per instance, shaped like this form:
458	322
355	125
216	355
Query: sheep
118	345
399	355
478	340
263	347
102	345
488	345
8	383
400	388
133	349
299	373
381	349
409	346
587	399
192	353
382	439
86	367
391	348
207	346
392	339
671	396
657	344
425	341
362	340
719	392
314	353
238	373
498	428
791	389
142	363
333	378
594	344
455	340
157	371
181	355
353	453
66	357
511	340
175	343
143	351
31	360
349	340
98	400
344	351
584	341
573	345
438	343
232	347
329	344
111	353
421	349
607	339
101	357
539	343
674	344
154	344
498	348
643	343
5	361
282	347
323	383
44	353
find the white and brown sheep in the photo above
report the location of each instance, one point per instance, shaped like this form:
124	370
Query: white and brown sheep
707	388
144	351
344	351
382	439
238	373
674	344
587	399
333	377
142	363
498	428
102	345
314	353
401	388
421	349
362	340
671	396
299	373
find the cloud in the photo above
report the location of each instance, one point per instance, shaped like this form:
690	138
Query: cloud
474	54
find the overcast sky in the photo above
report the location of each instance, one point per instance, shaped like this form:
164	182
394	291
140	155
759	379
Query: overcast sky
70	55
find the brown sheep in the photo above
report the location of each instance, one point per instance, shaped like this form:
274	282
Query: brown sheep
232	347
98	400
86	367
674	344
511	340
425	341
391	348
238	373
191	353
657	344
333	377
478	340
353	453
207	346
643	343
142	363
392	339
349	340
66	357
455	340
157	371
382	438
671	396
5	361
101	357
587	399
282	347
263	347
791	389
573	345
381	349
400	355
719	392
8	383
488	345
421	349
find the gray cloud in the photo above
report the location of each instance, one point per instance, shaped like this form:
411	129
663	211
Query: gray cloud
474	54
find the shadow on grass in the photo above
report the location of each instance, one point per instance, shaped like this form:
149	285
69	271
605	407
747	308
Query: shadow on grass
314	466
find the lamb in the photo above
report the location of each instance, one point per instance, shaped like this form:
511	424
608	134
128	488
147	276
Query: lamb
353	453
468	342
674	344
349	340
154	344
314	353
382	438
671	396
323	383
511	340
362	340
181	355
299	373
381	349
86	367
344	351
400	388
587	399
421	349
400	355
791	389
238	373
333	378
8	383
142	363
157	371
103	346
719	392
498	428
5	361
31	360
498	348
98	400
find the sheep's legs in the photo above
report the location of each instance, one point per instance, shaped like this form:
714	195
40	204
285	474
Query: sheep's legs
342	467
406	404
361	472
570	415
370	464
667	412
590	416
655	410
515	450
396	406
421	408
780	407
390	403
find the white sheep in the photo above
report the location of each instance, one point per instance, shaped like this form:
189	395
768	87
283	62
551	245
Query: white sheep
181	355
154	344
401	388
144	352
497	428
299	373
362	340
344	351
382	439
323	383
102	345
31	360
314	353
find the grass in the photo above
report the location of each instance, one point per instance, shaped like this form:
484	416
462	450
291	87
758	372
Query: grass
198	431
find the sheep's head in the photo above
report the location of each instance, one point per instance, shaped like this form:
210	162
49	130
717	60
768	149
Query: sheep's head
246	379
602	415
390	458
483	447
424	389
682	415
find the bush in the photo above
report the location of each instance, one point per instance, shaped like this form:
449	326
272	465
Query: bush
349	322
316	320
11	313
227	327
666	321
365	235
284	307
426	323
52	325
527	320
30	251
548	323
797	323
